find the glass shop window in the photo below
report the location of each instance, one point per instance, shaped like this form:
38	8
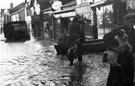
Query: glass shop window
130	6
104	20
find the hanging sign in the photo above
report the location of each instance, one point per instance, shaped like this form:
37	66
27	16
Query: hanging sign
57	5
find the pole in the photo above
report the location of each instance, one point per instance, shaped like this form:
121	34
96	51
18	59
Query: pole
1	21
53	28
103	21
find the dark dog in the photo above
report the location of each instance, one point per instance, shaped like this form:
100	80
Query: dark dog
72	55
60	50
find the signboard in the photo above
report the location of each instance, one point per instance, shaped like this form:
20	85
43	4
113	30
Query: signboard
83	9
63	15
57	5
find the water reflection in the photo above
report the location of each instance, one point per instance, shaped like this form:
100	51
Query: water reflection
77	74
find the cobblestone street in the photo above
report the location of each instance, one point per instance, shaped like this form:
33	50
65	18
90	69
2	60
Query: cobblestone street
34	63
97	38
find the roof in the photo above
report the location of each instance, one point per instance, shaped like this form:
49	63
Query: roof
17	8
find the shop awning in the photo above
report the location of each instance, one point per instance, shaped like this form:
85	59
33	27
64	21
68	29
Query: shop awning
64	11
69	12
63	15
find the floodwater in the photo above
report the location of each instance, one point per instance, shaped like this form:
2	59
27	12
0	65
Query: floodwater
35	63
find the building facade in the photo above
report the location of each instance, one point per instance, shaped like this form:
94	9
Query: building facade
106	14
18	13
99	16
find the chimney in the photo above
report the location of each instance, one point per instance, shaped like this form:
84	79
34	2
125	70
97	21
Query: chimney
11	5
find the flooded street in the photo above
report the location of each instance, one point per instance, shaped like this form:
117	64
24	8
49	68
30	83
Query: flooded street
34	63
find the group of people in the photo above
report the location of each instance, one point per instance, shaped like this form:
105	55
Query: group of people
120	43
70	42
121	51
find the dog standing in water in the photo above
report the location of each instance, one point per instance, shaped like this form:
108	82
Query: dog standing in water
116	75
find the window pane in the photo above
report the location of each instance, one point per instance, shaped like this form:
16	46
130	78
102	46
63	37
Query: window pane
130	4
104	20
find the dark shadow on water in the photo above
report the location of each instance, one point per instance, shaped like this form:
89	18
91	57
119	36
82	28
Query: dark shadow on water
77	74
19	40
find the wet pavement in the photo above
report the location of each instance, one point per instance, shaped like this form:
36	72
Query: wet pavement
35	63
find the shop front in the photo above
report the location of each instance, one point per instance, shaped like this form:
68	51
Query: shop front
62	19
29	26
85	12
36	25
130	6
48	30
107	15
105	19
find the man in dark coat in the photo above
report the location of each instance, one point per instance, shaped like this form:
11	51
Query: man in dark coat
125	59
61	43
76	35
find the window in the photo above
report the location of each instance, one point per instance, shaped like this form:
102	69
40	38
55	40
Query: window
130	4
104	19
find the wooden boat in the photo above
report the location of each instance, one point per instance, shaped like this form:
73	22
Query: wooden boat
96	45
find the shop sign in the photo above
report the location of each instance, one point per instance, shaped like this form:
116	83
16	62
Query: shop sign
57	5
62	15
83	9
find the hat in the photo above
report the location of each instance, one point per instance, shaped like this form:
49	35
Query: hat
129	16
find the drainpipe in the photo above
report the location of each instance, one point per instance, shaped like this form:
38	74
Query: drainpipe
41	24
95	29
53	26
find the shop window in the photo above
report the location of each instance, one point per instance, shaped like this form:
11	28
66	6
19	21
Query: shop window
104	20
130	6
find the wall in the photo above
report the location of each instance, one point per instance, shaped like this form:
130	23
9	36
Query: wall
22	15
18	16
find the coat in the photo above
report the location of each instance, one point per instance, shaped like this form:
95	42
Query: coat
75	32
